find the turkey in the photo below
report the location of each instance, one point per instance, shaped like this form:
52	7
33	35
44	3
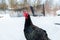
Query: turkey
31	31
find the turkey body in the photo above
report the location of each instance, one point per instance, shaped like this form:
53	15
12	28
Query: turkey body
33	32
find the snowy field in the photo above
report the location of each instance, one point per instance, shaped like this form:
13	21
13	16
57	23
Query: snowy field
11	28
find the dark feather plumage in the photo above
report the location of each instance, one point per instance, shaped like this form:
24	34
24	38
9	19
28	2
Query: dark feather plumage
33	32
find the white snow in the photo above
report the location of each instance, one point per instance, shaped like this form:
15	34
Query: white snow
11	28
58	12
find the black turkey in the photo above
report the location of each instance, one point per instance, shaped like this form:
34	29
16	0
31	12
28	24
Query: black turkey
31	31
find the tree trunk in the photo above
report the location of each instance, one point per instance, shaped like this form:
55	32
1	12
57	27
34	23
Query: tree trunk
43	10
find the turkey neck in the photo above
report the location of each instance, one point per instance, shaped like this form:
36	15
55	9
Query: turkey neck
28	22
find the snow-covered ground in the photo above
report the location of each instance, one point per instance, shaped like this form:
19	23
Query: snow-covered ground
11	28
